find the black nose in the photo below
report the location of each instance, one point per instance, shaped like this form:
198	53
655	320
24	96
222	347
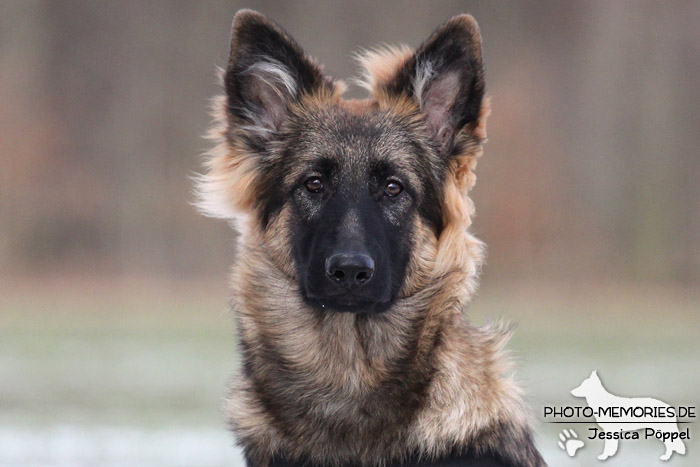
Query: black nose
350	269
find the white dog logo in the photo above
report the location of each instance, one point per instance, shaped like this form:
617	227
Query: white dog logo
599	398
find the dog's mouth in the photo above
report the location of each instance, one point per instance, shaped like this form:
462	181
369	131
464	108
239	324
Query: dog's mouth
347	303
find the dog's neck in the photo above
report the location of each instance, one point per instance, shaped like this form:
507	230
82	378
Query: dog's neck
414	378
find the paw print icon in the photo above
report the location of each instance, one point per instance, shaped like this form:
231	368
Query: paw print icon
569	442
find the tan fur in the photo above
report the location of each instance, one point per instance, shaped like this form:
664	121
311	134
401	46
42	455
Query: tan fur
380	64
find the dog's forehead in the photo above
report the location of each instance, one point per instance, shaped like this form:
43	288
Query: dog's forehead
354	138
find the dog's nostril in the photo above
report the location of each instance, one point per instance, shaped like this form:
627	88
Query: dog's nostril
338	275
362	277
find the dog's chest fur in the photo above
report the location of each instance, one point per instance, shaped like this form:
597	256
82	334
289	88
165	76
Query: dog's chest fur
331	387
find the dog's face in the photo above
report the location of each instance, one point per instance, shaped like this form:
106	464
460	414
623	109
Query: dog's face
352	186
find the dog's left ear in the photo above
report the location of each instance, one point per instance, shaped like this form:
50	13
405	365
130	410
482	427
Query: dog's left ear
445	76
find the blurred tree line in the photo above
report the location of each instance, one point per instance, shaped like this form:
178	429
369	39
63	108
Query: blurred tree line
592	170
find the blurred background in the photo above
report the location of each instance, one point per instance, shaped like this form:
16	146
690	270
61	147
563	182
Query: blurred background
115	338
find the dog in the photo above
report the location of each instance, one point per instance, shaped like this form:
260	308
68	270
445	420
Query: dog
354	263
598	397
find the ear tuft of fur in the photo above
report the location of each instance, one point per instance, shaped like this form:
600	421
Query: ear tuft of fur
380	64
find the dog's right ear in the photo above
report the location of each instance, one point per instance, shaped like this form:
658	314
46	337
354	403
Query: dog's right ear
267	73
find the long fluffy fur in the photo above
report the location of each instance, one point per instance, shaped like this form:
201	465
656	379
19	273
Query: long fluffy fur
337	361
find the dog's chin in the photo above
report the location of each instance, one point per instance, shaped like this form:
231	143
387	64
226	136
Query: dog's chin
345	304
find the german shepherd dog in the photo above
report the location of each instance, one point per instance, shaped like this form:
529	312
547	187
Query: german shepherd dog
354	263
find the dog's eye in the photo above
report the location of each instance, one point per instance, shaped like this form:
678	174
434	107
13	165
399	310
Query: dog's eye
314	184
392	188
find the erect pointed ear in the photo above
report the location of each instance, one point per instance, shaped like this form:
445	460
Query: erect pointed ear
445	76
266	73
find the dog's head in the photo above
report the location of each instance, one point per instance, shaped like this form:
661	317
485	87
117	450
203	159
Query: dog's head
589	386
351	199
